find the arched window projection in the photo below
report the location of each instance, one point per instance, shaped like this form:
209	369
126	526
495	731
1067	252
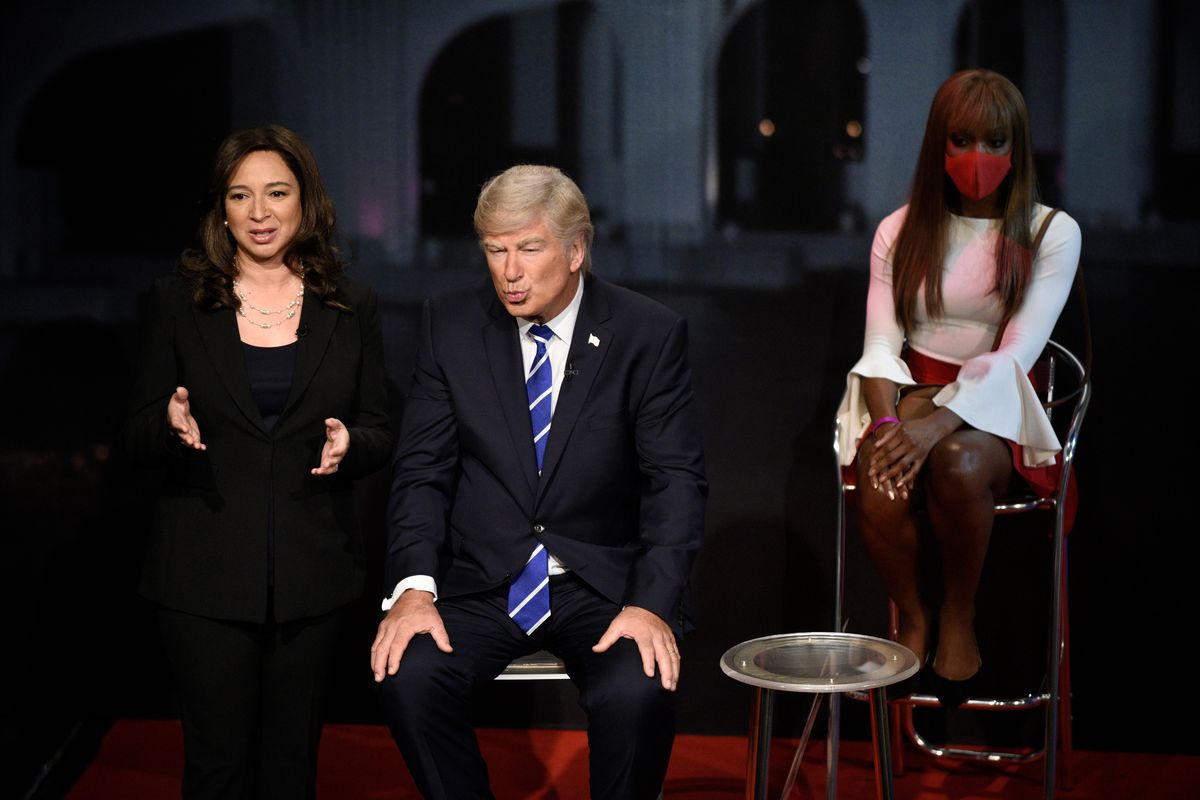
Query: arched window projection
117	147
1024	42
790	88
502	92
1177	140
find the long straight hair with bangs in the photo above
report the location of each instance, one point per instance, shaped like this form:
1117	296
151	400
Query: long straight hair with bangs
969	100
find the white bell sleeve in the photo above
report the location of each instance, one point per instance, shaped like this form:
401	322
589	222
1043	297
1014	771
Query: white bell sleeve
882	342
993	392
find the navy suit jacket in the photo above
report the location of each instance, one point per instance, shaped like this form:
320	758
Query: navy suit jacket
620	499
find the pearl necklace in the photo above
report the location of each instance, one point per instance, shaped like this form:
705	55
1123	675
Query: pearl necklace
289	310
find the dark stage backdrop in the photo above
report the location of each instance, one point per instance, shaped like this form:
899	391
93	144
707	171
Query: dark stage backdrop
84	648
109	126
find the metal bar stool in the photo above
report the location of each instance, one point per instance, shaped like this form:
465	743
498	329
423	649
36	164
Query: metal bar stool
1056	697
817	663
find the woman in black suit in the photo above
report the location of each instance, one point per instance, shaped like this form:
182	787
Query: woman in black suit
261	396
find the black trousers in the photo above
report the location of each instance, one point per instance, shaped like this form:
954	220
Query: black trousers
251	697
631	718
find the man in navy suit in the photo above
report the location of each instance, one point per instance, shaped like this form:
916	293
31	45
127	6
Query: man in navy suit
548	493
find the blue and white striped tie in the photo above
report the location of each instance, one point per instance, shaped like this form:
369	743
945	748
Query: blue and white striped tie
538	388
529	593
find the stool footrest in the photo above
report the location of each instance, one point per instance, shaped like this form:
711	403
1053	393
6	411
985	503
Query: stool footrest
974	704
969	754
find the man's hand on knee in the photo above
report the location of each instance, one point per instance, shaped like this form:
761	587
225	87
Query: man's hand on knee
654	639
412	613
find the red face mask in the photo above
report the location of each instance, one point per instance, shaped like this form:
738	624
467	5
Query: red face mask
978	174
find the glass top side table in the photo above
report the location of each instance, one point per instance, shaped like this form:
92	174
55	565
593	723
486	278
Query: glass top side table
818	663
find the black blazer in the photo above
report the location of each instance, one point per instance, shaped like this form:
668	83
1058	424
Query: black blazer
622	491
207	552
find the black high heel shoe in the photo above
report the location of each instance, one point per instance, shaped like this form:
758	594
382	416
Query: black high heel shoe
951	693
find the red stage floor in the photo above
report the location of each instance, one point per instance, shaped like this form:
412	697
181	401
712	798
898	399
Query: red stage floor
143	759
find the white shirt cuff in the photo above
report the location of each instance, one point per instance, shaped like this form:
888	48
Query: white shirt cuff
426	583
423	583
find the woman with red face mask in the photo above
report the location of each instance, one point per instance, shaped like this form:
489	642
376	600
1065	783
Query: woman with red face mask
939	412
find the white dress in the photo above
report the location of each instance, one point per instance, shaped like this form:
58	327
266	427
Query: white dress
992	392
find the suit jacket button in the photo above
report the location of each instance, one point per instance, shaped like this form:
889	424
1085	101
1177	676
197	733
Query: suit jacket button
539	527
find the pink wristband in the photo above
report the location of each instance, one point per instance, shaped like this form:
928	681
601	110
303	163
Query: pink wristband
881	421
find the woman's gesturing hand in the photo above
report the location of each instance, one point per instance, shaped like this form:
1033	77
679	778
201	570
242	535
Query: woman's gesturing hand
183	424
337	443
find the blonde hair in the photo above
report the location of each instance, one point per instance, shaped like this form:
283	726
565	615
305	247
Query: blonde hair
520	194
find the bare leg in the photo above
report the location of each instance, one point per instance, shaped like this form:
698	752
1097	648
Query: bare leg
964	474
889	531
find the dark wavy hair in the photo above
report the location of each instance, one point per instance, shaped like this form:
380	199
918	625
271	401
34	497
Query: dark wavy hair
968	100
311	254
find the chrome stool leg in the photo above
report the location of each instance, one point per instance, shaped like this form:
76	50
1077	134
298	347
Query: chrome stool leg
758	758
881	735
